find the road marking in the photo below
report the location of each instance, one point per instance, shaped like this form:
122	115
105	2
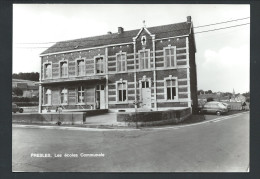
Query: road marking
70	128
212	120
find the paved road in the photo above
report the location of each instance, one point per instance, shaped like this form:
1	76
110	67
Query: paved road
221	145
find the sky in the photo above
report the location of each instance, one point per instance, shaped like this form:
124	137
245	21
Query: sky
222	56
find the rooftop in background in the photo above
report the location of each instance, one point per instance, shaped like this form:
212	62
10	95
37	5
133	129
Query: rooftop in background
122	36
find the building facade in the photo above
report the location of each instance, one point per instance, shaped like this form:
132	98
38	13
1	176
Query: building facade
145	69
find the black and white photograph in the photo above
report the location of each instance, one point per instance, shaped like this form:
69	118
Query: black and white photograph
131	88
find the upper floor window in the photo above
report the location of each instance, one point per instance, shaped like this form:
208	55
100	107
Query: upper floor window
121	91
48	70
121	62
144	59
48	97
64	96
171	89
81	93
64	69
99	65
170	56
80	67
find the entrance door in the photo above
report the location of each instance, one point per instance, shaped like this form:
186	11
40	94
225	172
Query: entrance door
100	97
146	95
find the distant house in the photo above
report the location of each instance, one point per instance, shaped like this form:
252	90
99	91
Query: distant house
240	98
29	88
215	96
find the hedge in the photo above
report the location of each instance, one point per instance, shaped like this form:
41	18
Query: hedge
25	99
23	104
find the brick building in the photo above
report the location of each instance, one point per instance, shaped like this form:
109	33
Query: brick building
152	65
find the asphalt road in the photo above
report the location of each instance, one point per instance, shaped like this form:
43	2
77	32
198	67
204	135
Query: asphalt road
221	145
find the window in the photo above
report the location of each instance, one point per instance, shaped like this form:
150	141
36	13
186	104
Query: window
80	67
121	62
121	92
64	96
169	57
145	84
63	69
99	65
48	97
80	94
171	89
48	70
144	59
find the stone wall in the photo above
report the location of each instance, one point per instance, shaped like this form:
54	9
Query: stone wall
154	117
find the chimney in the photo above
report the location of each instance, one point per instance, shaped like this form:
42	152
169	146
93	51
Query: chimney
120	30
188	19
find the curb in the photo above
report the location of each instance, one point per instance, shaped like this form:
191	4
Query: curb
120	128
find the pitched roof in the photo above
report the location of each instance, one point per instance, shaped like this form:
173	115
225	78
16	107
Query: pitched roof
164	31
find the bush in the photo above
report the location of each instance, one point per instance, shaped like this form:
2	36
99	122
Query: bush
25	99
210	99
17	91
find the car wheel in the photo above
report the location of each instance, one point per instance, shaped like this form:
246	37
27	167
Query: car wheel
21	110
218	113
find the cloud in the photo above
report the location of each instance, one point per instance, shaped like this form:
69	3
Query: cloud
225	69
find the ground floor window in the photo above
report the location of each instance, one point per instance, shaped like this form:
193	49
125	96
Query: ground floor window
80	94
171	89
48	97
64	96
121	91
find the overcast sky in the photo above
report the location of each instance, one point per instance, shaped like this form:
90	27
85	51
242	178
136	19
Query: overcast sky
222	56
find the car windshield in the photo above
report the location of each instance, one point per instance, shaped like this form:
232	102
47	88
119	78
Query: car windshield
221	105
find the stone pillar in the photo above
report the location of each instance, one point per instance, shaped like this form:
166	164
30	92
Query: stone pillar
40	98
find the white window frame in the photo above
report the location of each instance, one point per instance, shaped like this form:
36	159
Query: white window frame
176	88
60	68
117	92
121	53
95	65
45	69
47	100
174	56
149	59
145	40
77	67
82	91
61	93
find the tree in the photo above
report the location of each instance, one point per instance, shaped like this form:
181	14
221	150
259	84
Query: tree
200	92
209	92
17	91
33	76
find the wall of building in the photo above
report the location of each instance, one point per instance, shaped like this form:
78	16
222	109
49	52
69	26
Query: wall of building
132	74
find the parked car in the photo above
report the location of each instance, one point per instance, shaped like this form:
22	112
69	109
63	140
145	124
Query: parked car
228	106
16	108
214	107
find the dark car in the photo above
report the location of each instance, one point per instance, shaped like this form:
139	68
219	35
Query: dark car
16	108
214	107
